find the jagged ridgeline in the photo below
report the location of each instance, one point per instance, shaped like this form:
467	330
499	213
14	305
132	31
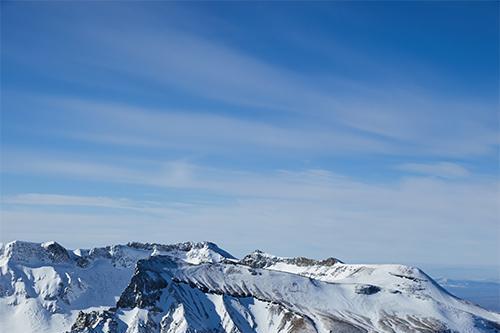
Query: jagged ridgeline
198	287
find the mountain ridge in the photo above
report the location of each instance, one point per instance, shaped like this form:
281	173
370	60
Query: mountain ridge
199	287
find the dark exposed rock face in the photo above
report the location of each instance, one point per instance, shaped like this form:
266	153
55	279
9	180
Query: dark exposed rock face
89	322
366	289
146	285
85	320
258	259
82	262
56	252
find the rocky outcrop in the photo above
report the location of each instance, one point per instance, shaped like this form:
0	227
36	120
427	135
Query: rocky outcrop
259	259
146	286
56	252
94	322
366	289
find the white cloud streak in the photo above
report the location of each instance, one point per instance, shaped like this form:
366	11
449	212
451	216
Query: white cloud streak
312	209
439	169
198	131
341	114
406	113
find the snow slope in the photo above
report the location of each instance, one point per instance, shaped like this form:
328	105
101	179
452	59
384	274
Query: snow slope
43	286
197	287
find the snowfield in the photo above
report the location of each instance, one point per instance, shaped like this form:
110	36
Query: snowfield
198	287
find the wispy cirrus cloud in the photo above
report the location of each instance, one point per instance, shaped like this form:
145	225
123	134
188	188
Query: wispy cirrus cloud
439	169
202	131
112	123
117	205
389	115
64	200
335	209
409	114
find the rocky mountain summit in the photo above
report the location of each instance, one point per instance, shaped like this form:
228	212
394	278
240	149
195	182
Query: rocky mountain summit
200	288
259	259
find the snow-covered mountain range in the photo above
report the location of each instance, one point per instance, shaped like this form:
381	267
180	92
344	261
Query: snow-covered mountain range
198	287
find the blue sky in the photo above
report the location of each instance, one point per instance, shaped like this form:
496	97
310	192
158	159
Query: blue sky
366	131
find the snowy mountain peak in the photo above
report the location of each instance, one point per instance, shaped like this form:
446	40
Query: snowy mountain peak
198	287
35	253
51	252
194	251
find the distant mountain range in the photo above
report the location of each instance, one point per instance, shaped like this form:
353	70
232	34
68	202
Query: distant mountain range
200	288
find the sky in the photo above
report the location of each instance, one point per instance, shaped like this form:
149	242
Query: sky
366	131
